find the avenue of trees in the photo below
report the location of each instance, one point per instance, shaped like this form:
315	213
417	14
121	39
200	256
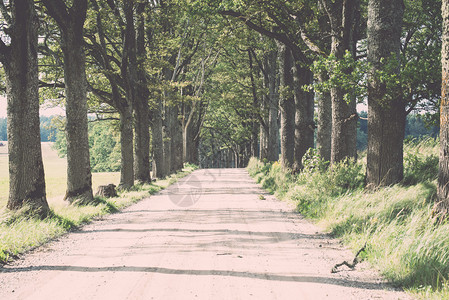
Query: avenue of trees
214	82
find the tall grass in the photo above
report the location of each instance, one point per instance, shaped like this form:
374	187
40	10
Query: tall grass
404	240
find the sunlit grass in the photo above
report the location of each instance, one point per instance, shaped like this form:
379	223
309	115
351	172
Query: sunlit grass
55	169
405	241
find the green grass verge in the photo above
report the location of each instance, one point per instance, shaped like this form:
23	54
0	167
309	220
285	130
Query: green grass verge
20	231
405	241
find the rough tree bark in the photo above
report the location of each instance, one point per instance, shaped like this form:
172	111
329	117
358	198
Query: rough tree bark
159	170
287	106
129	71
344	115
126	148
324	126
71	21
304	110
443	173
141	109
176	140
26	171
273	106
386	107
191	131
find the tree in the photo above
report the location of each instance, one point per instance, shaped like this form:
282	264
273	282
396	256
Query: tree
287	107
343	22
386	106
443	173
19	59
71	22
141	109
278	20
135	82
109	65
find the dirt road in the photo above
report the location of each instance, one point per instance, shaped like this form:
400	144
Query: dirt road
211	236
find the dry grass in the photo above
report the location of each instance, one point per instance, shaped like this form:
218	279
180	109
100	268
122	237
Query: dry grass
55	175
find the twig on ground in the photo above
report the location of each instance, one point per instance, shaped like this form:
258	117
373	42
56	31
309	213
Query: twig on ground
355	261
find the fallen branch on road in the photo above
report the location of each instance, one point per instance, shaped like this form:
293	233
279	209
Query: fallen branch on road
355	261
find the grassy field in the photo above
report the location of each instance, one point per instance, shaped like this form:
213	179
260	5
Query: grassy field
55	175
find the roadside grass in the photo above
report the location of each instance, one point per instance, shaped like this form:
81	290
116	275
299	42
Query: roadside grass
404	240
20	231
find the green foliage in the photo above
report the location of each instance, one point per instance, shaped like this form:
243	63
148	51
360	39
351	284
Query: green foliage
104	144
48	129
420	160
346	73
313	162
416	127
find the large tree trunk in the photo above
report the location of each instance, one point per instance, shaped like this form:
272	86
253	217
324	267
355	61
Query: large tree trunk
167	139
142	140
79	177
71	23
443	173
126	144
304	110
263	140
159	170
344	116
272	151
177	141
141	109
26	171
386	108
190	143
287	105
344	127
324	131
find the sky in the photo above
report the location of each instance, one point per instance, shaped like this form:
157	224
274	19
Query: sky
43	111
59	111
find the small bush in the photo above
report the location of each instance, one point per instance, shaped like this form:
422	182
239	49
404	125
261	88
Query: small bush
419	168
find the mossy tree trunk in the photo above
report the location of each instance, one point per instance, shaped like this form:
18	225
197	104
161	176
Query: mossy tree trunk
26	171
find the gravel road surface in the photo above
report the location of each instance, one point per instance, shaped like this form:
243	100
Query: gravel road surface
209	236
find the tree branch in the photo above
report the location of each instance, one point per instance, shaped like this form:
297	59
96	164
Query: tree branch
58	11
5	13
277	36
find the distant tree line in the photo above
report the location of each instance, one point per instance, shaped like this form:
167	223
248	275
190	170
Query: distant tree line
48	130
416	126
104	146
